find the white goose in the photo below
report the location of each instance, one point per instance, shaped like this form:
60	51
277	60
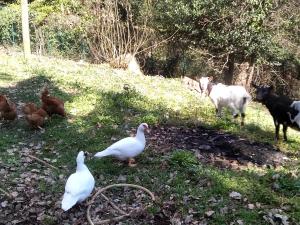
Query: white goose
79	185
127	148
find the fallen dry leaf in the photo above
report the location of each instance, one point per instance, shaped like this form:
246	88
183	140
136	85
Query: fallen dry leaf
209	213
235	195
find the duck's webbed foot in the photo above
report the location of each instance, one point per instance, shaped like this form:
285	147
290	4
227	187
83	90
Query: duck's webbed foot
131	162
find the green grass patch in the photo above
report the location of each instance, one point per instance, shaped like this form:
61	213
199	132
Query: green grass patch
100	111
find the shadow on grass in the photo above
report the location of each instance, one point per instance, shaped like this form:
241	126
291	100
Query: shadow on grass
258	131
129	107
269	136
26	91
29	90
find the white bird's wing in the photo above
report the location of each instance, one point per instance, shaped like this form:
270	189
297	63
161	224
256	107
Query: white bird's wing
107	152
68	201
78	187
124	148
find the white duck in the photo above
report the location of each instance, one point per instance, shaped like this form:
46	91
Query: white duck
79	185
127	148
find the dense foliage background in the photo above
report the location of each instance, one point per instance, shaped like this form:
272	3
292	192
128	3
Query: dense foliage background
234	41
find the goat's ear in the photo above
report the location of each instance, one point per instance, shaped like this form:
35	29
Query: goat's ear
210	78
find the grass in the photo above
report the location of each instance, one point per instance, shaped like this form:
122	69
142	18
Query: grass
100	111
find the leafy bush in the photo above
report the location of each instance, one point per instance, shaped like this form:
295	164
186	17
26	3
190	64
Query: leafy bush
10	25
52	32
65	38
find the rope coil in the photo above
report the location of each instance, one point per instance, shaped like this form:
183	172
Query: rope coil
124	214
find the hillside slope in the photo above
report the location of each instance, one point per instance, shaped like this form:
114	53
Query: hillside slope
193	161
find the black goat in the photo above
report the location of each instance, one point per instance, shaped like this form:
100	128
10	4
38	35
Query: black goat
278	106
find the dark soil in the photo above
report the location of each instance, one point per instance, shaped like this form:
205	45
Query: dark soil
215	147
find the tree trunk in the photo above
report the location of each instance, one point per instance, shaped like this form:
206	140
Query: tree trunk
241	78
250	77
246	73
25	28
228	75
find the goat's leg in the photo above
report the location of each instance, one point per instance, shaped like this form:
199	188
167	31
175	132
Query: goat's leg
218	110
243	115
234	110
277	125
235	113
284	129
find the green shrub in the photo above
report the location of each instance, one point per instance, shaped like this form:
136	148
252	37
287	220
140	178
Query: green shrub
65	38
10	25
52	32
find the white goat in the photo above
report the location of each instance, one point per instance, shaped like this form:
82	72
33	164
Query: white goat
296	107
203	83
234	97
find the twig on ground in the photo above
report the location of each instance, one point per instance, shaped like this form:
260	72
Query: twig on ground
113	205
43	162
109	221
118	218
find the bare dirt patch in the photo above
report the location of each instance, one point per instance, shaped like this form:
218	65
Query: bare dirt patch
216	147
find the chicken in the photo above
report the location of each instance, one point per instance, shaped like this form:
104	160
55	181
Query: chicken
29	108
52	105
34	116
8	109
37	118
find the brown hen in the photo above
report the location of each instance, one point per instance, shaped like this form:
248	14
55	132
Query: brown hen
52	105
34	116
8	109
29	108
37	118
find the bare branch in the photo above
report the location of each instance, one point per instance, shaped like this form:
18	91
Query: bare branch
43	162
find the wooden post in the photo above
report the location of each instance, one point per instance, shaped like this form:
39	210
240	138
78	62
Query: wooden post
25	28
